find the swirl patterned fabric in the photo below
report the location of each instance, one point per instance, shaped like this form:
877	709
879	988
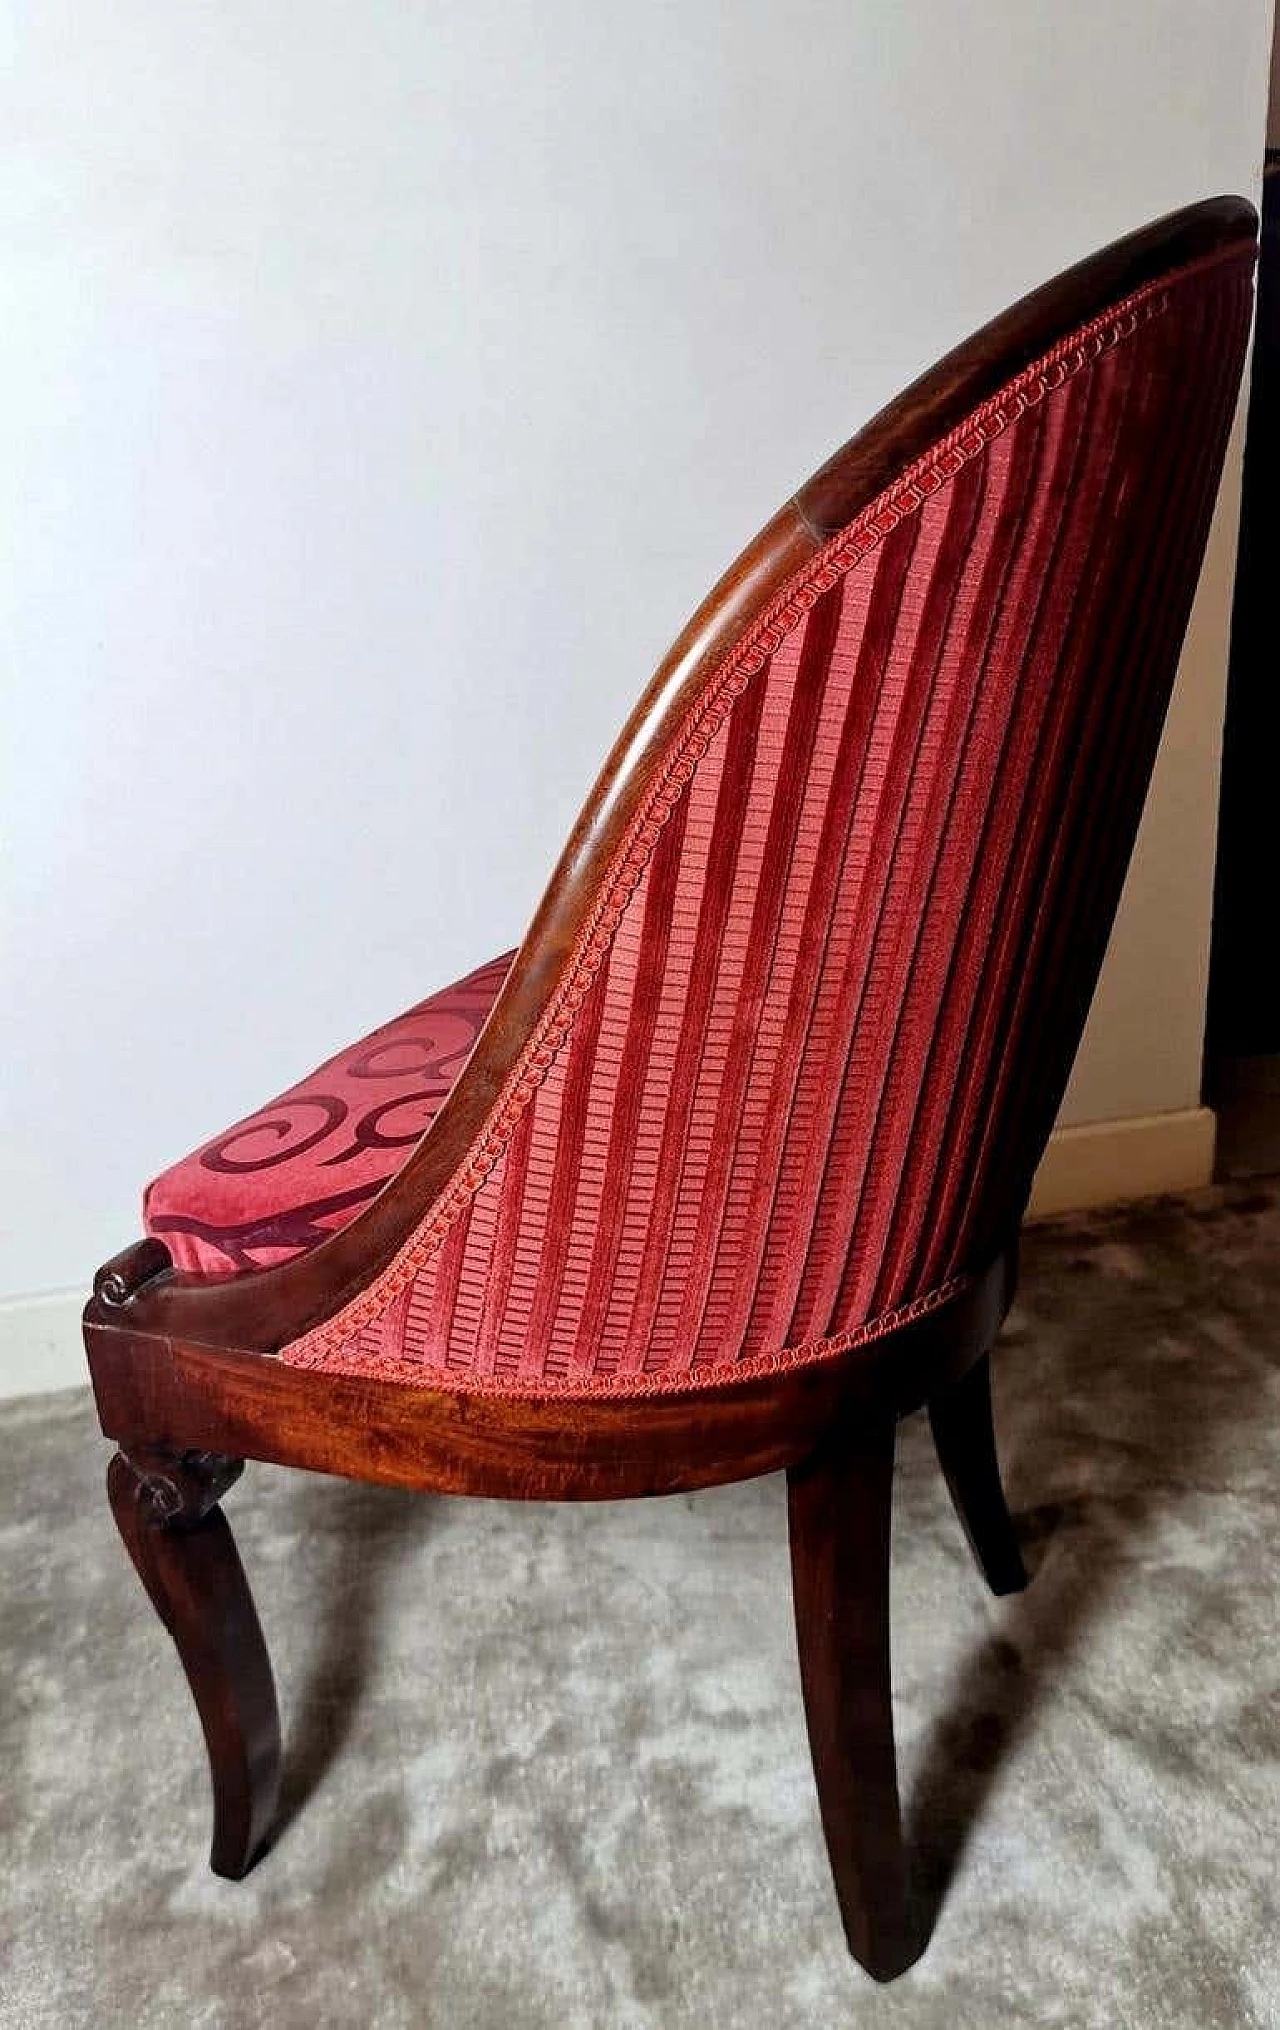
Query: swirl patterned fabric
300	1168
798	1071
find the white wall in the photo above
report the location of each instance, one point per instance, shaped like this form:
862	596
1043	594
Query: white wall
382	385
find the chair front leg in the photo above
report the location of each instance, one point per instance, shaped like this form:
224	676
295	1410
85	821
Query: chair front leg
965	1439
839	1505
165	1507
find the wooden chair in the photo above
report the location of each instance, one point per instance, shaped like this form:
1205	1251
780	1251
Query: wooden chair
722	1171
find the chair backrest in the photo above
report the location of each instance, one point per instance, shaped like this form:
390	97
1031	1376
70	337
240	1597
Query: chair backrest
785	1042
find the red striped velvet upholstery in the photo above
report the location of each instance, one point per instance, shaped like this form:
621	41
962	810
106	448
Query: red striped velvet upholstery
301	1167
798	1073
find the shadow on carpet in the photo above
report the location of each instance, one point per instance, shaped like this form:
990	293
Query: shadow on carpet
547	1766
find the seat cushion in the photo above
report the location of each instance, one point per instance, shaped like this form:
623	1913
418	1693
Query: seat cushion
279	1181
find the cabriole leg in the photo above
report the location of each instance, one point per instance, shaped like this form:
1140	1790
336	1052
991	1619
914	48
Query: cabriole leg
166	1509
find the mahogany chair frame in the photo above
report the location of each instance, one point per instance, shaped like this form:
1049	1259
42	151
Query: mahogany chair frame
184	1367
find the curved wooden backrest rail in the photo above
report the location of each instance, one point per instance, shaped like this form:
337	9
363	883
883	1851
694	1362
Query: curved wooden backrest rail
267	1309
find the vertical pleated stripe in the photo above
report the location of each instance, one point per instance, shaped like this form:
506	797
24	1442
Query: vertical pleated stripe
811	1078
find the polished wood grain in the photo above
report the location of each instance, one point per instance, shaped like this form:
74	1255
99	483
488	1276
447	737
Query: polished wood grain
839	1507
165	1506
914	421
160	1391
964	1435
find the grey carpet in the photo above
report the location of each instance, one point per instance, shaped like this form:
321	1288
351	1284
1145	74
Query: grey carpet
553	1760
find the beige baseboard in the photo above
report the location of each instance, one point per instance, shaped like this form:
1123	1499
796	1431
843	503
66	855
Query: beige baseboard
1093	1165
1102	1162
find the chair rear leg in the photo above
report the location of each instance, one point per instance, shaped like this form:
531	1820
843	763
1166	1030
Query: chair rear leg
165	1507
964	1435
839	1504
